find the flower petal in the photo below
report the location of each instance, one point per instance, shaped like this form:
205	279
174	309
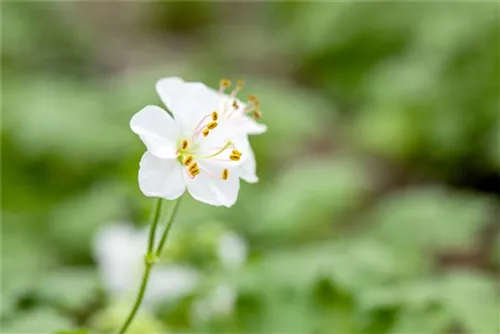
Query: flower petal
201	188
248	169
160	177
208	187
157	130
245	124
189	102
167	89
250	126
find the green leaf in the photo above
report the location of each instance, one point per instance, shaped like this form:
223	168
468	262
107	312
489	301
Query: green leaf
74	221
70	288
349	265
429	321
427	220
64	118
25	256
40	320
311	196
472	298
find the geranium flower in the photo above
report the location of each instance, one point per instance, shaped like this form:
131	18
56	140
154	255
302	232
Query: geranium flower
190	151
117	249
235	118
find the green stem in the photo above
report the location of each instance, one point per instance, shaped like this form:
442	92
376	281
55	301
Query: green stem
140	296
159	250
156	219
149	261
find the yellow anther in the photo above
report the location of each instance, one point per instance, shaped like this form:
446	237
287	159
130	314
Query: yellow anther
193	167
215	116
235	104
257	114
225	174
234	157
212	125
195	172
225	83
188	160
205	132
184	144
254	100
240	84
236	152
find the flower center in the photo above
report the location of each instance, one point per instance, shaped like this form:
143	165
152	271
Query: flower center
188	155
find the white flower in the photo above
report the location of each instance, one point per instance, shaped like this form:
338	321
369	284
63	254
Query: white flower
232	250
219	303
200	149
234	115
118	251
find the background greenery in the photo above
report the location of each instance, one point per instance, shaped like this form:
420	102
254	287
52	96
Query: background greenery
377	210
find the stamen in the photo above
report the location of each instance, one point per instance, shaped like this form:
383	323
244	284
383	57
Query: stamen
215	116
234	157
235	104
184	144
240	83
193	167
254	100
187	161
225	174
195	172
201	122
218	151
257	114
205	132
224	83
237	153
212	125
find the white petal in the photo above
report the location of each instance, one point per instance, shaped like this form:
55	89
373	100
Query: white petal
245	167
168	88
171	282
189	102
201	189
248	125
232	250
161	177
118	251
227	190
157	130
248	169
240	122
251	127
208	187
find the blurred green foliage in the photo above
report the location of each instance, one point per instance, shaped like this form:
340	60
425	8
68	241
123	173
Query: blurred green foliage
377	207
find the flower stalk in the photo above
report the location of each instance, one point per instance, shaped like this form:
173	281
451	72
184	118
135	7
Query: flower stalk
164	236
151	257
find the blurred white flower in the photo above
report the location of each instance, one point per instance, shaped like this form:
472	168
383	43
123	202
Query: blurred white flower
218	303
232	250
119	249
